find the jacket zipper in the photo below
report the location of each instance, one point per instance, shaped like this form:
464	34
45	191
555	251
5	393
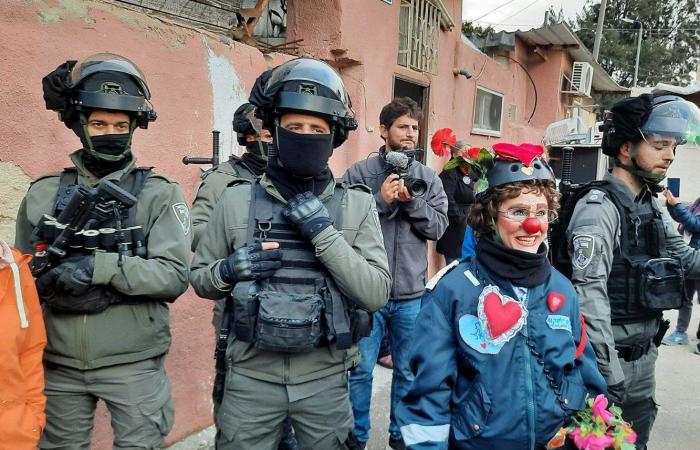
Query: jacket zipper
83	343
529	387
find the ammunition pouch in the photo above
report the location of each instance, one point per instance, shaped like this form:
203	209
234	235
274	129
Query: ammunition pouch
288	322
662	284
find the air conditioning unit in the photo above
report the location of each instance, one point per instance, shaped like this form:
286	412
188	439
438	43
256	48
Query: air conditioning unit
582	77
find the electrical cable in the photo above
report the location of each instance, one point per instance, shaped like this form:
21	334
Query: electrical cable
518	12
534	87
494	9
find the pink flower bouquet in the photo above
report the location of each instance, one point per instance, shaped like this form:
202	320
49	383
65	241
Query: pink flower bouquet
599	427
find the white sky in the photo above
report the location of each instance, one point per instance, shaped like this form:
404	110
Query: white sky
517	14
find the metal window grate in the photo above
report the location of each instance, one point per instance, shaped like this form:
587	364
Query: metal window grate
419	32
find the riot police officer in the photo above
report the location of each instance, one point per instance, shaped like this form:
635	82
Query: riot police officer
303	261
250	165
105	293
627	259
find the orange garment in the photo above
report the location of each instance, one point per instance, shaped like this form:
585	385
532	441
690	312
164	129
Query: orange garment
22	342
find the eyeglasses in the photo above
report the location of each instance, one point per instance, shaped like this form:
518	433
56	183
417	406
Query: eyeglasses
659	142
520	214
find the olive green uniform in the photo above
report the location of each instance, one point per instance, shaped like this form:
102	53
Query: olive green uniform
263	387
209	191
597	220
116	354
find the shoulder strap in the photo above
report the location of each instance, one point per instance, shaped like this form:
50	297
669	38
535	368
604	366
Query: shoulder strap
68	179
133	182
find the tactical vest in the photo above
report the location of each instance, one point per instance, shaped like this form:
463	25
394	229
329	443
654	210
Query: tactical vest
113	235
644	279
300	308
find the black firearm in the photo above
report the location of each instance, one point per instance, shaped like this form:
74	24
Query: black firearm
102	202
400	161
215	153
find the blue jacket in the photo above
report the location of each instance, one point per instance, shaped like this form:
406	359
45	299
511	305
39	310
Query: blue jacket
475	392
691	223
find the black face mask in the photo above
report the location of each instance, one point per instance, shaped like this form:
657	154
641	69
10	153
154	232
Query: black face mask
257	148
113	145
303	155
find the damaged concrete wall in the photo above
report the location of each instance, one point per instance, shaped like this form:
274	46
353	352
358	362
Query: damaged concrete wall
14	182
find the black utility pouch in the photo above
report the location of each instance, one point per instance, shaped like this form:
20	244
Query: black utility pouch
361	324
662	284
245	310
288	322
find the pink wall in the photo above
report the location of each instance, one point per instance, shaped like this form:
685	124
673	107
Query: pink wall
34	39
183	66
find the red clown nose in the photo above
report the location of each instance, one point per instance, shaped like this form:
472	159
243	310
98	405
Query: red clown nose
532	225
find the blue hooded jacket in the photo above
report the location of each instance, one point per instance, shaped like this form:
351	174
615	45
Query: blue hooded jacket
512	392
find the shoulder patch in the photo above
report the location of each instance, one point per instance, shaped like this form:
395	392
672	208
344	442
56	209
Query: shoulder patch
182	213
430	285
595	196
584	245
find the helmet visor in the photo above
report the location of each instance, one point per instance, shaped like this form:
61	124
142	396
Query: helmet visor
672	119
108	62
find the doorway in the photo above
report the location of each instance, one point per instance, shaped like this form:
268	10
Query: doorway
404	87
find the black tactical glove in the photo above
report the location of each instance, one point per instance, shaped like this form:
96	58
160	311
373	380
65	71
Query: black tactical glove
617	393
250	263
73	276
308	213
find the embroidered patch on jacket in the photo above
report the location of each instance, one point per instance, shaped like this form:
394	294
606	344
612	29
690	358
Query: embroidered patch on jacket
182	213
583	244
472	332
555	301
557	322
501	315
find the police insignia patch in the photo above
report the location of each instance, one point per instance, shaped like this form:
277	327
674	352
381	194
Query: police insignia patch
583	250
182	213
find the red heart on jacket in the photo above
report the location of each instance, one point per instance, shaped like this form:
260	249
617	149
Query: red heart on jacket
555	301
501	315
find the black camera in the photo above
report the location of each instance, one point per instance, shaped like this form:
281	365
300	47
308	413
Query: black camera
400	161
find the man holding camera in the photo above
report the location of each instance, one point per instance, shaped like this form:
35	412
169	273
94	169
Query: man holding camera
412	208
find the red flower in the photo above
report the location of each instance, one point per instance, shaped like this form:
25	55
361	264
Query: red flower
524	153
473	152
442	141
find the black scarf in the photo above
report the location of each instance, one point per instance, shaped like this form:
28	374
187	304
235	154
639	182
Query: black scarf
289	185
101	168
520	268
254	162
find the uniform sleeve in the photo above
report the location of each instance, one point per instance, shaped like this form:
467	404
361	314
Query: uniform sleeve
455	211
428	214
679	249
682	214
208	194
213	247
592	235
361	271
424	413
163	275
585	356
23	229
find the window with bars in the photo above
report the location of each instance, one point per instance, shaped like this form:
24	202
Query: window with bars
419	32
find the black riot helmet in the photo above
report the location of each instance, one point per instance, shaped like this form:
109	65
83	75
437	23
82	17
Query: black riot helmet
634	118
307	86
243	123
104	81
